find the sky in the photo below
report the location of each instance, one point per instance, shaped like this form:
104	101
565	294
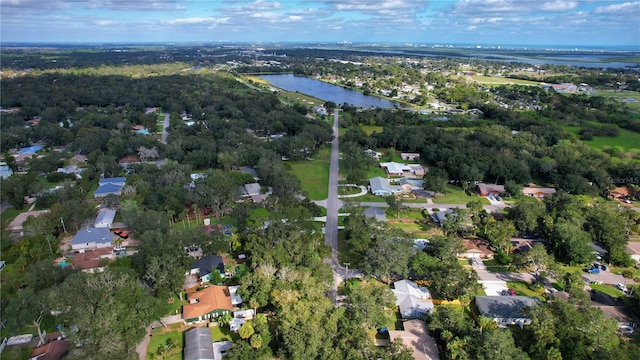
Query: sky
580	23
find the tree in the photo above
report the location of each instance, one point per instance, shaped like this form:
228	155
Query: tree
498	344
256	341
512	188
103	314
499	234
394	204
574	285
435	180
390	253
542	263
246	331
526	216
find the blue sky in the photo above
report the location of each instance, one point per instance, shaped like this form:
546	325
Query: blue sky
484	22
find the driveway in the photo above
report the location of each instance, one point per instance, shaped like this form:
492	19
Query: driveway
165	126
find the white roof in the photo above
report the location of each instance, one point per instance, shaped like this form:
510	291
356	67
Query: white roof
235	298
105	216
412	300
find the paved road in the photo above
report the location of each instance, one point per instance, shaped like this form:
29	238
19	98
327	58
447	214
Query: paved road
331	226
165	126
4	206
489	208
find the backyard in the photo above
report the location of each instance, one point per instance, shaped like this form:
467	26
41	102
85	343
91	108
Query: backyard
313	174
456	195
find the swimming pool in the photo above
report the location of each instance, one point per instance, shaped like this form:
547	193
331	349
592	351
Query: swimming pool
143	132
30	149
63	263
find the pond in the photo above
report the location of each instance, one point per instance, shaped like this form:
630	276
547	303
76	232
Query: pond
327	92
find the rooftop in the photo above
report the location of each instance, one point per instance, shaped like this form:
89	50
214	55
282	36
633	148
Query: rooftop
198	344
206	301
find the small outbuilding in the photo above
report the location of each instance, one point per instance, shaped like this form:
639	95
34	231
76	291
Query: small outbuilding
105	218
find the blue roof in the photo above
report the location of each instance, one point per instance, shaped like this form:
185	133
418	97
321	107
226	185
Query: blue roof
97	235
107	189
207	263
113	180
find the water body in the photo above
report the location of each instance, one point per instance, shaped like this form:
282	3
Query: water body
327	92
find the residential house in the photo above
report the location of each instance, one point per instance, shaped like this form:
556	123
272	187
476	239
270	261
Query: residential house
239	318
416	337
15	226
72	169
440	216
127	161
409	185
207	304
489	189
476	248
413	301
373	154
110	186
382	187
506	310
221	348
91	260
537	192
195	177
198	344
206	265
92	238
409	156
375	213
54	350
250	171
397	169
105	218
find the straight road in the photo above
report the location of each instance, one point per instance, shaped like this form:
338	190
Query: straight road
165	126
331	227
489	208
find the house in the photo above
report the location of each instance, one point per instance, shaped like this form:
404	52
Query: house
372	153
409	185
250	171
206	265
506	310
537	192
194	177
220	349
397	169
91	261
110	186
198	344
207	304
92	238
375	213
416	337
105	218
72	169
239	318
127	161
254	191
476	248
55	350
15	226
489	189
382	187
440	216
410	156
413	301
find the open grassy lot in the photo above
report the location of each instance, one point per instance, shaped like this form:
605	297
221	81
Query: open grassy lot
626	139
495	80
9	214
313	174
526	289
223	333
608	289
456	195
623	97
370	129
159	338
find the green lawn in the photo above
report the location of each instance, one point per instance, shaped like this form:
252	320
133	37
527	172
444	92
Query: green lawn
16	354
626	139
493	266
502	80
314	174
223	333
160	118
370	129
608	289
456	195
176	306
9	214
159	338
526	289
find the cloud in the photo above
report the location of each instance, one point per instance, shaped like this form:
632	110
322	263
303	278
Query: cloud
627	8
142	5
105	22
558	5
198	21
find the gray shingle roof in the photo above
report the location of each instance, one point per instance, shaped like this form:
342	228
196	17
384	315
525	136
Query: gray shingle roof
97	235
504	307
198	344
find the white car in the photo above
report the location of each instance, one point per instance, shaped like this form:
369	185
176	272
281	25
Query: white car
621	287
119	248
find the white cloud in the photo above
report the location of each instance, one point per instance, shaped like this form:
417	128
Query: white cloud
105	22
627	8
198	20
558	5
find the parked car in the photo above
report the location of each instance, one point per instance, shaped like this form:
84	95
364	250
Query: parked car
621	287
625	329
119	248
594	271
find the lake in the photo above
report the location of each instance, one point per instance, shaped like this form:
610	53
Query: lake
327	92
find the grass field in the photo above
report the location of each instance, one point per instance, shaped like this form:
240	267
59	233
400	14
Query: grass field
9	214
456	195
502	80
525	289
159	338
607	289
626	139
623	97
314	174
223	333
370	129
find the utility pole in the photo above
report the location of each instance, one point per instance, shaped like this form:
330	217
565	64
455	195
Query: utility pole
63	227
347	273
